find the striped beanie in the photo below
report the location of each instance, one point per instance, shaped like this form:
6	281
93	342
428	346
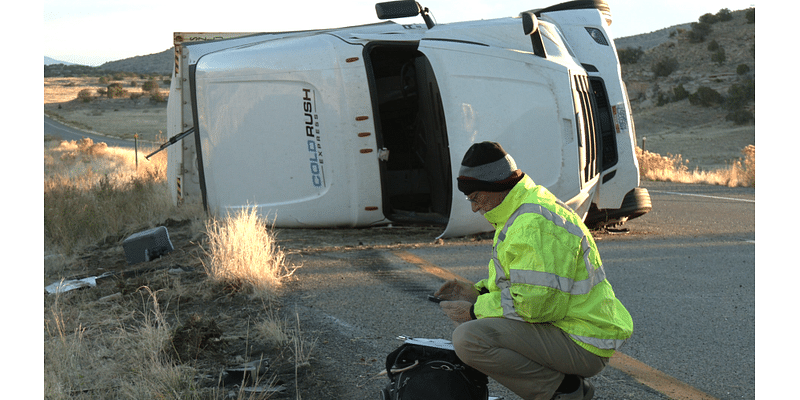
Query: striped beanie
487	167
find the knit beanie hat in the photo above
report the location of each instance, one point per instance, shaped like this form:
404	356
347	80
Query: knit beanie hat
487	167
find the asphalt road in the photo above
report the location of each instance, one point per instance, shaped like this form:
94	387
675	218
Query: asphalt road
685	271
58	130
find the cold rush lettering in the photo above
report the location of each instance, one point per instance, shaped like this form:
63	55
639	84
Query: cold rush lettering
308	108
316	172
313	139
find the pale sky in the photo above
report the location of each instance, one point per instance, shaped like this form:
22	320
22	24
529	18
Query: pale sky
92	32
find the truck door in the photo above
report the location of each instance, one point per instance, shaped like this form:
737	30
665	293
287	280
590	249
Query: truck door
519	100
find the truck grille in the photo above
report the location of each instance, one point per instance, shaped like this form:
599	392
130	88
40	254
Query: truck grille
605	120
596	131
587	130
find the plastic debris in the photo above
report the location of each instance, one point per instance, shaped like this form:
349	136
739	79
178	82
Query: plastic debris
72	284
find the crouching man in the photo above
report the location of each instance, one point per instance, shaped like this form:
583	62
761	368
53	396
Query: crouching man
546	317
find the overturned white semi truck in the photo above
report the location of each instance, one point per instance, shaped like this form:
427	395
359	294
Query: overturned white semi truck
367	125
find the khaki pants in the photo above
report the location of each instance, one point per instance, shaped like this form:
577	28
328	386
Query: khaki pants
529	359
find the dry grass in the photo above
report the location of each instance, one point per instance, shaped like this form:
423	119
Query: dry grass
672	168
87	356
61	90
92	191
91	352
66	89
242	252
146	366
119	341
124	117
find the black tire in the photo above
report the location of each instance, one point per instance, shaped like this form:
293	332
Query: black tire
576	5
635	204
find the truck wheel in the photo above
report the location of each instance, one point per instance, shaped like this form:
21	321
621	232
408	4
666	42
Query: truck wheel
577	5
635	204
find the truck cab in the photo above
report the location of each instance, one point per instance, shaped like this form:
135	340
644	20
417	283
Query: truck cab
367	125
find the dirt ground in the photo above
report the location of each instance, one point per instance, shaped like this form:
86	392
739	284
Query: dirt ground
700	135
211	323
118	117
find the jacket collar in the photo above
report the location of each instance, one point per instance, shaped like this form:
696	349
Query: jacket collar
500	214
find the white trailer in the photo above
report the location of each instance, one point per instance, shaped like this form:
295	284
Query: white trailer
367	125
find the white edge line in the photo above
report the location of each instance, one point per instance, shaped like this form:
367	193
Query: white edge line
703	195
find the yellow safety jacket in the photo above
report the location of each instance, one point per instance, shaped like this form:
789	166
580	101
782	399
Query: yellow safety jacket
545	268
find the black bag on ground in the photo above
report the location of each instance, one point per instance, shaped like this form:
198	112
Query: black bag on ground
430	372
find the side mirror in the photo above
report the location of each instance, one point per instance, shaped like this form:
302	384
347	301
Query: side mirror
402	9
397	9
530	23
530	26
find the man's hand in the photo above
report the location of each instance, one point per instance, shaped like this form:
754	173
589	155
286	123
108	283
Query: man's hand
454	290
458	311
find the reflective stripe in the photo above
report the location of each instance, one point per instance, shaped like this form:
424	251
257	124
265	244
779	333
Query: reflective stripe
548	279
602	344
601	324
506	300
540	278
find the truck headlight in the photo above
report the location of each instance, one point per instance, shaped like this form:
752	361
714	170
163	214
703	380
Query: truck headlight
598	36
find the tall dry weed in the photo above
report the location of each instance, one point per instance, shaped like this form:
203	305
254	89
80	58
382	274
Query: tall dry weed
147	369
243	253
672	168
97	349
65	355
92	191
90	354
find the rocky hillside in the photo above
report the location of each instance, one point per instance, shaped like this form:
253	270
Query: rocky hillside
694	97
647	41
151	64
157	63
713	62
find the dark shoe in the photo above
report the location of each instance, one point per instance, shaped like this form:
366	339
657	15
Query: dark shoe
588	390
584	392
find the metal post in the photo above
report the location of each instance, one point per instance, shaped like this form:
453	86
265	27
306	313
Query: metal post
136	149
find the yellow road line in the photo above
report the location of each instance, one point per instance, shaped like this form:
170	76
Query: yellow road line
428	267
656	379
639	371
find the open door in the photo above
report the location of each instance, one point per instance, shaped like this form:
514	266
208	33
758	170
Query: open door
411	133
